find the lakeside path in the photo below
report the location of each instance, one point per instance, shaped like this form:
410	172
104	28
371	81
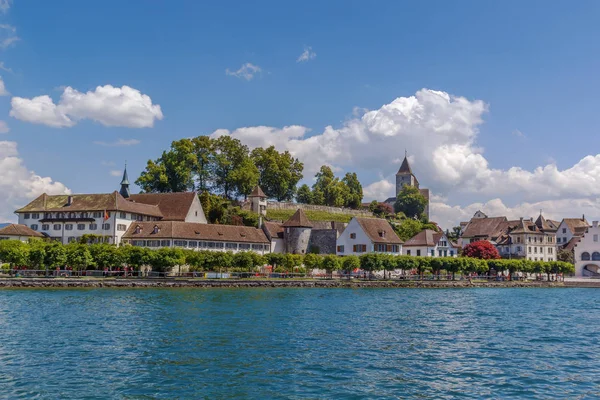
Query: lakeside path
270	283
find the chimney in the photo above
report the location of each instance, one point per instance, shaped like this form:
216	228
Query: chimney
69	200
583	217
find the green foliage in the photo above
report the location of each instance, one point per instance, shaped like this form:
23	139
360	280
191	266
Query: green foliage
165	259
304	195
409	227
279	173
78	256
284	215
106	255
355	191
313	261
331	263
565	256
410	202
350	263
14	252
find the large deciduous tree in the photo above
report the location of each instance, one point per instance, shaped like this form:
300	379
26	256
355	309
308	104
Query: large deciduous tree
410	202
279	173
355	191
230	158
481	249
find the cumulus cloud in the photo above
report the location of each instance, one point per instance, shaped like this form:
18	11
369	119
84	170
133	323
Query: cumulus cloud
307	55
18	184
247	71
119	143
108	105
440	132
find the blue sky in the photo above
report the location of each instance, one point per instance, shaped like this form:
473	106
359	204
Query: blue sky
534	65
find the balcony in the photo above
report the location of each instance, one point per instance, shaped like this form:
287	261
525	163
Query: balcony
66	219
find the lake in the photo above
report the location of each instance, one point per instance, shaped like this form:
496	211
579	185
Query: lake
300	343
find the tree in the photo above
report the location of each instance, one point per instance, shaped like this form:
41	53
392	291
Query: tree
304	195
167	258
37	253
279	173
243	261
329	190
56	255
565	256
244	178
410	227
350	263
14	252
172	171
313	261
331	263
105	255
355	191
229	157
411	202
136	257
380	210
204	150
78	256
454	234
370	262
481	249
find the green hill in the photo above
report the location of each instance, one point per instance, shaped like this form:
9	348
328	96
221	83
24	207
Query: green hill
284	215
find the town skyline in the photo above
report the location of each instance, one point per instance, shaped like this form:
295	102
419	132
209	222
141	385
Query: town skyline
483	131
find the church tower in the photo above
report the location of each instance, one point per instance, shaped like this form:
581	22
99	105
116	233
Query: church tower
405	176
125	184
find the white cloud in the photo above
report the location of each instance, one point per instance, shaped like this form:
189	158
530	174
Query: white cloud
8	34
5	6
3	91
115	172
108	105
4	127
307	55
19	185
440	132
119	143
519	134
107	163
247	71
5	68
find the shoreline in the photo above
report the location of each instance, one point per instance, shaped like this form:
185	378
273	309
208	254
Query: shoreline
248	283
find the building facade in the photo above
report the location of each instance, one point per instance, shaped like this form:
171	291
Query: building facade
587	252
18	232
368	235
429	243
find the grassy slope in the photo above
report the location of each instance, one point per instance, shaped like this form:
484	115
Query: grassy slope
284	215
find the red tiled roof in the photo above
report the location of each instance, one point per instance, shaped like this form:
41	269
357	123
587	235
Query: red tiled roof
19	230
173	206
374	228
298	220
426	237
195	231
258	192
274	229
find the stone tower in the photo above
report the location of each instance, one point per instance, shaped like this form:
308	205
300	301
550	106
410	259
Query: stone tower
125	184
258	201
405	176
296	234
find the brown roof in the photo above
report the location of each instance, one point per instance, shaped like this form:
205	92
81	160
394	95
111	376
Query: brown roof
19	230
273	229
574	223
88	202
426	237
580	230
173	206
484	227
572	243
257	192
375	227
298	220
405	167
196	231
526	226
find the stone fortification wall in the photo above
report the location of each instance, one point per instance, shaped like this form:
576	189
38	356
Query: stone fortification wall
324	240
277	205
297	240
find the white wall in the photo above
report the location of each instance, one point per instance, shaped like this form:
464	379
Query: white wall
196	213
348	243
589	243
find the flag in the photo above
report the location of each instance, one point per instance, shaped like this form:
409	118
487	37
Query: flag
106	216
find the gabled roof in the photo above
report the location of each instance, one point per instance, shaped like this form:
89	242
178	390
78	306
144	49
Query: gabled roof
425	238
298	220
19	230
544	224
258	192
273	229
88	202
173	206
405	167
378	230
574	223
489	227
195	231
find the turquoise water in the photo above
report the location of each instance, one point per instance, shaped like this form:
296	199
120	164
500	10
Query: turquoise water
300	343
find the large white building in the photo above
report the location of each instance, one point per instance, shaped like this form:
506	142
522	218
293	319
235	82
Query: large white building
429	243
570	229
368	235
587	252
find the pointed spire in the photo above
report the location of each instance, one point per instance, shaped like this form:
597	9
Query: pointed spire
405	167
298	220
125	184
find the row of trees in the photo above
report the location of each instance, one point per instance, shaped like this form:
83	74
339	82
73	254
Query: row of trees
38	254
226	167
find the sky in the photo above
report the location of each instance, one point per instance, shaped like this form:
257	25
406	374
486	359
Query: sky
495	102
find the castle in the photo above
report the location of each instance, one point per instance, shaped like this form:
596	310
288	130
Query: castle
405	177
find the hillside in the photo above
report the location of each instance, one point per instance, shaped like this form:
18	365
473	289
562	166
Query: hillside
284	215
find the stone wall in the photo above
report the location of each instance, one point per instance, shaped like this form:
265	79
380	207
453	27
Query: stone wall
324	240
296	240
276	205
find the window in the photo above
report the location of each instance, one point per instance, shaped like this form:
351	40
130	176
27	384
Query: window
153	243
529	249
93	227
550	250
45	227
165	243
408	252
123	215
231	246
140	217
133	217
340	249
34	227
381	234
353	236
439	253
27	215
381	248
196	213
267	247
121	227
432	253
80	227
71	215
564	230
97	214
244	246
138	242
359	248
148	218
56	227
105	227
518	248
535	249
68	227
518	239
418	253
257	247
192	243
84	215
585	256
595	238
451	253
443	243
219	245
529	239
180	243
596	256
35	216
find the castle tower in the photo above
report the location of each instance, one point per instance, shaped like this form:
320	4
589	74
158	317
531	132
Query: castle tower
405	176
125	184
258	201
296	234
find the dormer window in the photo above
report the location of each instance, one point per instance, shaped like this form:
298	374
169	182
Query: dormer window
381	234
155	230
138	230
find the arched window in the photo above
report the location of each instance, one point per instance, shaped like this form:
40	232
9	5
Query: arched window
596	256
585	256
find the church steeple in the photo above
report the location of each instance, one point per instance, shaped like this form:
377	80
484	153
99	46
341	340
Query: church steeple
405	167
125	184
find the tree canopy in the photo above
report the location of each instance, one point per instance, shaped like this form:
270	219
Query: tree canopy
411	202
329	190
481	249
